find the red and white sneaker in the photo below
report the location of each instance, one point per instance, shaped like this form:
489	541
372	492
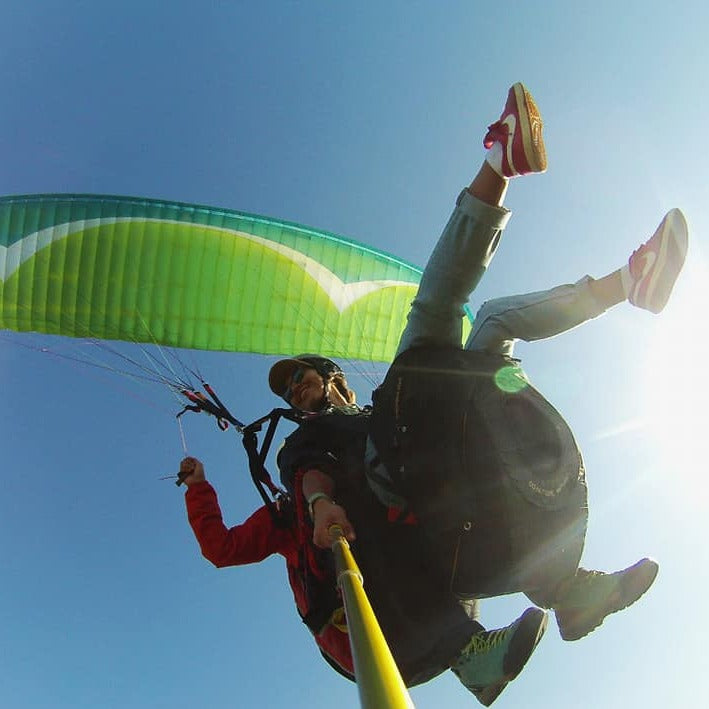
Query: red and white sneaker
519	133
653	268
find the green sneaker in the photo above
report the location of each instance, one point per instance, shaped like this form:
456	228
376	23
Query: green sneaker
493	658
592	595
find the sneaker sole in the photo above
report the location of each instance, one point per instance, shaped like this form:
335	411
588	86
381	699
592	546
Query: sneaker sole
531	128
634	587
532	625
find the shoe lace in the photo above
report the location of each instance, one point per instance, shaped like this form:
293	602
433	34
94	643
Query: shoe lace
486	640
587	576
579	592
496	133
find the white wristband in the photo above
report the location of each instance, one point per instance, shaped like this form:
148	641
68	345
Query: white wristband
314	498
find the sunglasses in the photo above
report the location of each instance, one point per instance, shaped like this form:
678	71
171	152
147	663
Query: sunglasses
296	378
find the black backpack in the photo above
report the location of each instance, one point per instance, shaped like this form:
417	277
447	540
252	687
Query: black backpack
487	465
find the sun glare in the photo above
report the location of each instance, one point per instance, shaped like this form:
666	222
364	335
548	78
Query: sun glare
676	365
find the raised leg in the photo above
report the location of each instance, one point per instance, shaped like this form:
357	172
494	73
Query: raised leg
469	240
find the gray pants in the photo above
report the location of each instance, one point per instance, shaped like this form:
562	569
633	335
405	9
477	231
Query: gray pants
455	268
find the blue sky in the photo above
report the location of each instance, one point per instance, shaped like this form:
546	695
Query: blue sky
365	121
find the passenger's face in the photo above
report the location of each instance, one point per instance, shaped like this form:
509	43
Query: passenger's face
306	390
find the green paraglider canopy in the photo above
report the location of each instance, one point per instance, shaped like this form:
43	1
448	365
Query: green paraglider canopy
195	277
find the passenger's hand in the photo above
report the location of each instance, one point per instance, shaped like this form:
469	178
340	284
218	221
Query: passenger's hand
325	514
191	471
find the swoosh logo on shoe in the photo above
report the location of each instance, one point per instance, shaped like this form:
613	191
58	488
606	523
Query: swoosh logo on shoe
511	122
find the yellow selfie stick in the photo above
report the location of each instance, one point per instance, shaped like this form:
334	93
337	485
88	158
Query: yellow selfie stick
378	679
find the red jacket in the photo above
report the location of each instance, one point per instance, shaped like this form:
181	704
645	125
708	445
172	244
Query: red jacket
254	540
